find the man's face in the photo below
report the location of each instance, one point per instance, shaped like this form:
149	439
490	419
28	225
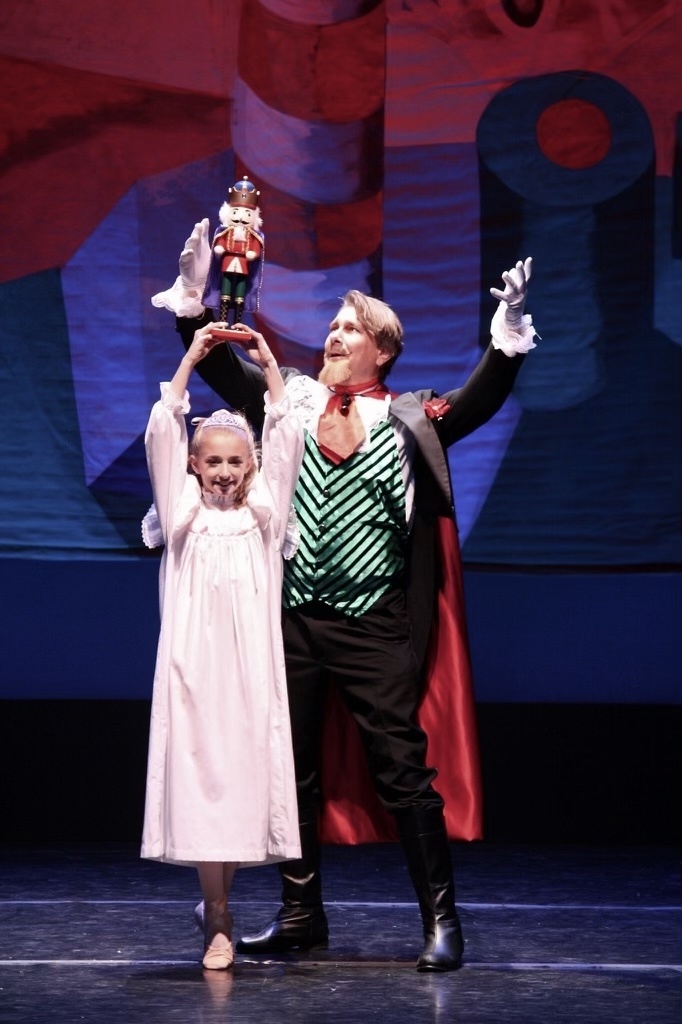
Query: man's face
351	355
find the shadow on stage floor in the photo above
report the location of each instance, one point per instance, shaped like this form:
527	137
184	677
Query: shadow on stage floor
553	934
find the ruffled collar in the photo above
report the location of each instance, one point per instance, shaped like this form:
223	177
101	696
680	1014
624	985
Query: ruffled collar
220	501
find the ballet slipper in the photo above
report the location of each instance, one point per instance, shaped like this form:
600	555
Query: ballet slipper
219	958
218	948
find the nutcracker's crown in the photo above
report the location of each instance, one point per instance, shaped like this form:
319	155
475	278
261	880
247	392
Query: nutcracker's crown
244	193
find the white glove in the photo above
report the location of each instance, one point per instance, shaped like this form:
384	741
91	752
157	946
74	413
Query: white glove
515	291
184	298
511	330
195	258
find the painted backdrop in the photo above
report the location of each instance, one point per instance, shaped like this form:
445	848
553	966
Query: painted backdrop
411	148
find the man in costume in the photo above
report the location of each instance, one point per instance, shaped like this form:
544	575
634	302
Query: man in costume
359	591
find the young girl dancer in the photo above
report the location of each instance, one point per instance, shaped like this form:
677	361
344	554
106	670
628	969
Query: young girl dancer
220	780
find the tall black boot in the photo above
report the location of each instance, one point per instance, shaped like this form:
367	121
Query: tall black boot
425	842
301	922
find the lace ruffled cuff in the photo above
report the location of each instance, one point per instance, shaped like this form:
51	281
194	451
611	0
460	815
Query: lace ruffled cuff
277	409
292	537
178	301
151	529
171	401
512	340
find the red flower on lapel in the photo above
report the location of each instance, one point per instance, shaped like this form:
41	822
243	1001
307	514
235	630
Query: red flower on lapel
436	408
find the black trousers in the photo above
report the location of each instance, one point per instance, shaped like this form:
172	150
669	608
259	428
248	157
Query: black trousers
371	660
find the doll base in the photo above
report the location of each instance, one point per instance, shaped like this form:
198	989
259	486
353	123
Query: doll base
226	333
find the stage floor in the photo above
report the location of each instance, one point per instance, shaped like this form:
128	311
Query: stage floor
553	934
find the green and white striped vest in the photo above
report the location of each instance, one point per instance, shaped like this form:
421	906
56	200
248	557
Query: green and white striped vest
352	524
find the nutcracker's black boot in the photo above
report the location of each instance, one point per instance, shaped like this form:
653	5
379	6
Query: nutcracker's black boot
424	840
238	310
301	922
224	312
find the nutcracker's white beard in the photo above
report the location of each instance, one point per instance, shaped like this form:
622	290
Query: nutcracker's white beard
335	371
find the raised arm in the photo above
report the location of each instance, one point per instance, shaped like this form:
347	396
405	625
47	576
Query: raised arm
256	347
491	382
166	434
202	344
282	447
239	383
184	297
511	329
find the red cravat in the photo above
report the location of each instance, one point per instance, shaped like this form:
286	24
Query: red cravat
340	429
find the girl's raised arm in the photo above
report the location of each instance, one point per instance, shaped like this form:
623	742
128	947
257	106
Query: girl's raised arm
255	345
202	344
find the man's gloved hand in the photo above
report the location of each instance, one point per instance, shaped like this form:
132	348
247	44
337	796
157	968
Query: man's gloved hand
515	291
195	258
512	331
184	298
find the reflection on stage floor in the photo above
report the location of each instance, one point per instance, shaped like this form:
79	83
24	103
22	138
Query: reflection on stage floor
553	934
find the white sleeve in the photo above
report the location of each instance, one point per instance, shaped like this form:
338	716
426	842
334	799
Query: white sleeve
165	444
282	454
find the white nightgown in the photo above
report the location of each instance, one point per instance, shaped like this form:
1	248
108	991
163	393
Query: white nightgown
220	776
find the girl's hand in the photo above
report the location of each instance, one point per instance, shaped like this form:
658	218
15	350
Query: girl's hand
255	345
202	343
